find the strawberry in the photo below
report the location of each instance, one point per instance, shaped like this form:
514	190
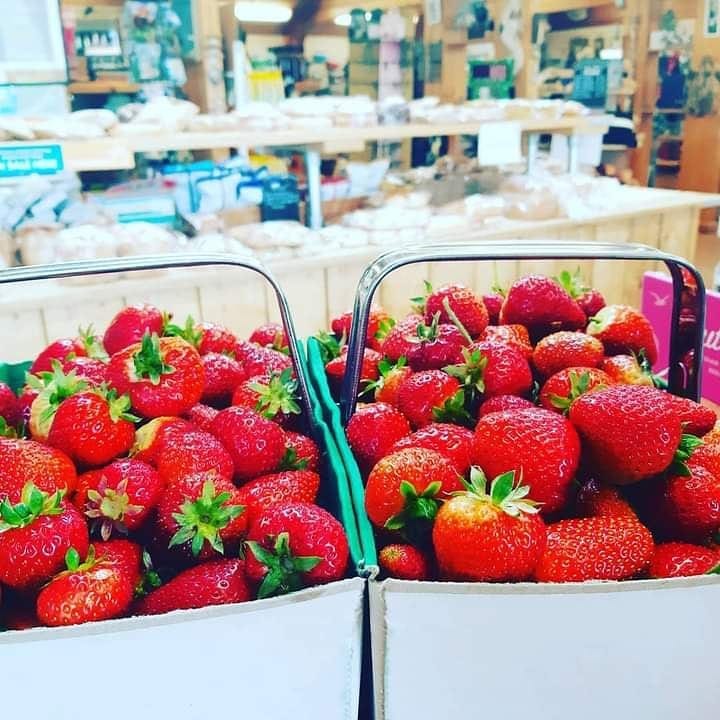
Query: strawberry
149	438
406	488
432	395
706	455
404	562
503	402
626	369
268	490
124	553
202	516
219	582
294	545
379	325
491	368
256	445
624	330
493	304
387	386
401	339
537	301
183	453
59	350
97	589
130	325
373	430
270	335
91	370
222	375
215	338
564	387
369	370
695	418
597	500
489	536
274	396
596	548
459	305
35	534
566	349
451	441
25	401
10	409
590	300
258	360
301	453
676	559
516	336
162	376
542	447
118	497
436	345
201	416
26	461
629	432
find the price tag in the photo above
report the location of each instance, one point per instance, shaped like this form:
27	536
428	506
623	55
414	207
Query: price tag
500	143
18	160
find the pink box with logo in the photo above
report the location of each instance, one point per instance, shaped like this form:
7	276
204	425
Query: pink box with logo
657	299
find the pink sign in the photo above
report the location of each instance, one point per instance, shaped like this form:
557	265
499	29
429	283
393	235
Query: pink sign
657	298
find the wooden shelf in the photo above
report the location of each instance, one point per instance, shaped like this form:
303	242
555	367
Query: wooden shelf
669	111
103	87
660	162
670	138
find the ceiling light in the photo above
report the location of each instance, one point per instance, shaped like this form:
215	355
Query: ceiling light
343	20
262	12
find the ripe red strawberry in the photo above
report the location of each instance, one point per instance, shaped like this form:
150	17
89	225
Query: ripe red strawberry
405	488
401	339
35	534
431	395
627	370
516	336
258	360
295	545
183	453
222	375
491	368
118	497
256	445
566	349
10	408
493	304
589	299
202	516
564	387
26	461
25	401
493	535
591	302
629	432
369	371
201	416
373	430
379	325
676	559
457	304
274	396
130	325
149	438
436	345
541	447
59	350
503	402
215	338
596	548
96	589
162	376
91	370
301	453
597	500
125	553
535	301
696	419
269	490
270	335
451	441
622	330
220	582
404	562
387	386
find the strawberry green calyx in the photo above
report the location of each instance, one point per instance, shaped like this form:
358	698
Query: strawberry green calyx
454	411
150	579
291	461
429	332
119	405
109	507
505	492
33	503
93	346
471	372
7	431
190	332
148	360
278	396
384	327
579	385
56	387
330	346
714	570
284	570
419	509
202	520
644	363
385	369
419	302
688	444
572	283
73	563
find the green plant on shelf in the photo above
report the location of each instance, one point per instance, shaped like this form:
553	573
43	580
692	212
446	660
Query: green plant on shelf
703	89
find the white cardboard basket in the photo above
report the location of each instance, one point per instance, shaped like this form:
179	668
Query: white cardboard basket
290	658
639	650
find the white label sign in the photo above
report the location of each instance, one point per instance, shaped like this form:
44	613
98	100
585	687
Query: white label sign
433	12
500	143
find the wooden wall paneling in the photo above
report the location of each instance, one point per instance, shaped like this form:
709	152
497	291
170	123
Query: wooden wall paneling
607	275
679	232
65	320
443	273
27	330
397	289
341	282
181	300
306	293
